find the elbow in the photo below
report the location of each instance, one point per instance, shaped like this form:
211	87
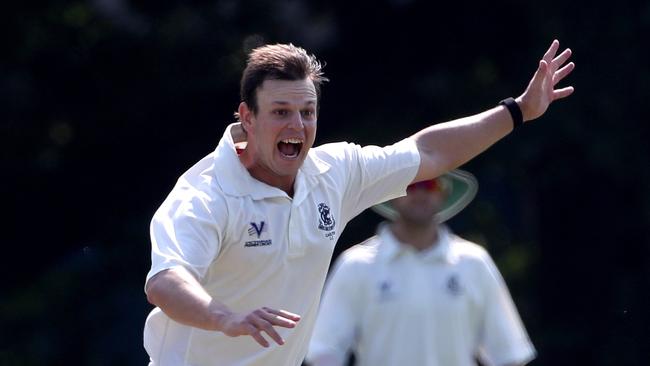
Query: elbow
151	297
152	290
161	286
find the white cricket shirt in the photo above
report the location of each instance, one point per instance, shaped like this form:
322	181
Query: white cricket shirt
392	305
251	245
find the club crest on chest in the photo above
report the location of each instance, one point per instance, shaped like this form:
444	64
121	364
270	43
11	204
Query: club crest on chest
386	291
453	286
326	221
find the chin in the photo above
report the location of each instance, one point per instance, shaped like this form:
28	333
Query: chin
290	165
287	171
419	218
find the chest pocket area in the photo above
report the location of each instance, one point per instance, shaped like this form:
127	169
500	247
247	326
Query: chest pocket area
314	227
257	235
453	294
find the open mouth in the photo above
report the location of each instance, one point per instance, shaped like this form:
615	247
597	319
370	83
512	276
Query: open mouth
290	148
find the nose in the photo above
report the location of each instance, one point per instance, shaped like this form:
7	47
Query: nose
296	123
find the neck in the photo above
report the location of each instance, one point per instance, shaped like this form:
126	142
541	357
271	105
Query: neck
259	172
418	236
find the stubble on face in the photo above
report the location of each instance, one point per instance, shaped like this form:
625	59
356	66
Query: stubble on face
282	131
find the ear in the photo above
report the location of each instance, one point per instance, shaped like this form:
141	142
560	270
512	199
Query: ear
245	116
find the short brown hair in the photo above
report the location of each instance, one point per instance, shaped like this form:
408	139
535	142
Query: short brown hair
278	62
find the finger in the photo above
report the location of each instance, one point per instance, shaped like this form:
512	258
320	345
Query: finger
284	314
562	93
563	72
280	321
281	318
550	53
274	335
263	325
561	59
540	74
257	336
259	339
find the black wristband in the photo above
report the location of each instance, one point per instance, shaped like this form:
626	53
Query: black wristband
515	111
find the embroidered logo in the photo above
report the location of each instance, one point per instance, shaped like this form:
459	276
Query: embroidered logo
453	286
325	221
386	292
256	229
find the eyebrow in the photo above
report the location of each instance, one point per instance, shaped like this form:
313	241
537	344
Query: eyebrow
281	102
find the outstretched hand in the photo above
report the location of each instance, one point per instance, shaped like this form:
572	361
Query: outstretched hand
541	91
258	321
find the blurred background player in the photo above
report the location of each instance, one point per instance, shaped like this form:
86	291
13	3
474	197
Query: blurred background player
416	294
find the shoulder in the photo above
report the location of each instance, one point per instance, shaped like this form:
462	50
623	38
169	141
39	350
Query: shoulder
355	264
335	151
195	194
468	251
346	150
360	255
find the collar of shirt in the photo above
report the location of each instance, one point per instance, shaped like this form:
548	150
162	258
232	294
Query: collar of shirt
235	180
391	248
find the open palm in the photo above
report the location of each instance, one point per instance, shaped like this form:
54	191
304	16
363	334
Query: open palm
541	91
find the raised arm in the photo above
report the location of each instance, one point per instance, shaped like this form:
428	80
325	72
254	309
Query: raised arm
182	298
448	145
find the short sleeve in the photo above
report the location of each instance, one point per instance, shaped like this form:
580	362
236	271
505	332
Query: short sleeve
380	174
338	316
184	233
503	339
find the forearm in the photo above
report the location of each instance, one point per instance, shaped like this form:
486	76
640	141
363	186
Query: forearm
448	145
182	298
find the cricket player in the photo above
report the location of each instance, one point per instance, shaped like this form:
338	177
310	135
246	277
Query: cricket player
416	294
242	244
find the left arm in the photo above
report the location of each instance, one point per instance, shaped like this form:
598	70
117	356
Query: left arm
448	145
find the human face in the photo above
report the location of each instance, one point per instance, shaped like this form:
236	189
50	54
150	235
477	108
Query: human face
282	131
422	202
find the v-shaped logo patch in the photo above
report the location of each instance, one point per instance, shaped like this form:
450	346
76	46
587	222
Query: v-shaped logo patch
255	229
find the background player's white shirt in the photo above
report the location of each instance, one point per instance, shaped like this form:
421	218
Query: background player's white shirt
395	306
251	245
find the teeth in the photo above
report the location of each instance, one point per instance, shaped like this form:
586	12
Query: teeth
292	141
